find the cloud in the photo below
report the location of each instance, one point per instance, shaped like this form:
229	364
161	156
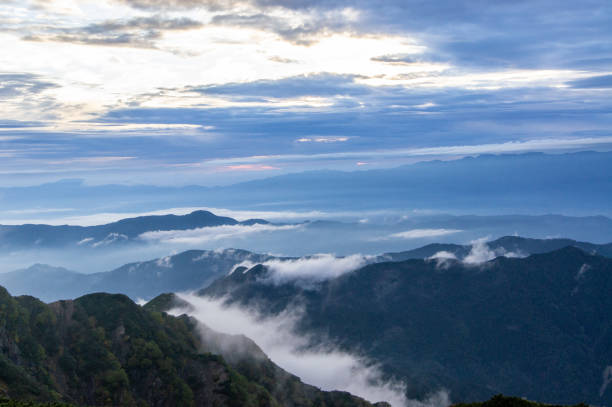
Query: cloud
309	30
318	267
137	32
419	234
405	59
323	365
481	253
108	240
22	84
494	74
327	139
181	4
250	167
211	234
319	84
281	60
443	259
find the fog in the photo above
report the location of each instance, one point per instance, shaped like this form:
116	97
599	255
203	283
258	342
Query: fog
323	365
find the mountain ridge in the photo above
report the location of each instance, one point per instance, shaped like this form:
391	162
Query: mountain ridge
193	269
128	229
477	330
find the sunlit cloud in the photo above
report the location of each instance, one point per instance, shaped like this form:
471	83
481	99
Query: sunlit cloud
250	167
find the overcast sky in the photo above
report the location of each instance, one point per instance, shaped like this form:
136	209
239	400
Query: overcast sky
214	91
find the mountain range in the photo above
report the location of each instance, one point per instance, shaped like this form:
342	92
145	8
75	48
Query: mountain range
125	230
194	269
505	183
185	271
537	326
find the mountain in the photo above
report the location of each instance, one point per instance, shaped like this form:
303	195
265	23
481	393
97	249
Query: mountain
538	326
194	269
185	271
16	236
103	349
46	282
533	183
504	183
516	245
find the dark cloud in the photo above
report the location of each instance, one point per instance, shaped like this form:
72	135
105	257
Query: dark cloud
390	117
144	23
181	4
406	59
16	124
22	84
301	34
137	32
323	84
474	34
594	82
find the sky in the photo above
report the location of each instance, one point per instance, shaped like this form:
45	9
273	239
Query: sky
211	92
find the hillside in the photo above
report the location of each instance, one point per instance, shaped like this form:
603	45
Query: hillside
188	270
538	326
103	349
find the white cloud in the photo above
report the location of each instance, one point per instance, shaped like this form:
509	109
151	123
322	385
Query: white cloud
321	139
85	241
110	239
420	234
313	268
443	259
481	253
164	262
213	233
324	366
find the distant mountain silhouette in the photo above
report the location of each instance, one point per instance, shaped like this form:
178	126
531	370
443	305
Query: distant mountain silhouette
17	236
185	271
504	184
195	269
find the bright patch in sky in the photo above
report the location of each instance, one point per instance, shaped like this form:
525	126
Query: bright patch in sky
180	86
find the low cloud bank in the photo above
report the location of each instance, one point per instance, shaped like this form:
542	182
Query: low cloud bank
480	252
324	366
212	233
314	268
419	234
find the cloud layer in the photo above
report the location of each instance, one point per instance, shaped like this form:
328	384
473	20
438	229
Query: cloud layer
324	366
211	234
310	269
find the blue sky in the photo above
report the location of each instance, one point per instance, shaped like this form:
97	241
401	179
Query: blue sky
169	92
